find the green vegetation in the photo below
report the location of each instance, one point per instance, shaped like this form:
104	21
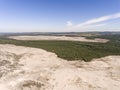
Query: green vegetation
74	50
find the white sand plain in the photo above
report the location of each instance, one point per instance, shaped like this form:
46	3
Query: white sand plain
83	39
24	68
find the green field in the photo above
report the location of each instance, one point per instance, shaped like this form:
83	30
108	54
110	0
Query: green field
74	50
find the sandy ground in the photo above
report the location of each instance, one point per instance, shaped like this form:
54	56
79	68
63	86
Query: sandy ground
83	39
24	68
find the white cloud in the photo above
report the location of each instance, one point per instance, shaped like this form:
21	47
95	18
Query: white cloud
94	25
69	23
96	22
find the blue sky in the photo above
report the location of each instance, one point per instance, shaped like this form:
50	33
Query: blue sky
59	15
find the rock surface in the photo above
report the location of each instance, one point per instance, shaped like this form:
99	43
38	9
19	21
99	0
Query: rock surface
24	68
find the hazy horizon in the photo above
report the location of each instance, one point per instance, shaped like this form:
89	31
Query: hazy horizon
59	15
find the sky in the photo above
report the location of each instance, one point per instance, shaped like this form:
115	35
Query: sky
59	15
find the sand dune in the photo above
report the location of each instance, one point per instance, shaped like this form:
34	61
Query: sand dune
24	68
83	39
